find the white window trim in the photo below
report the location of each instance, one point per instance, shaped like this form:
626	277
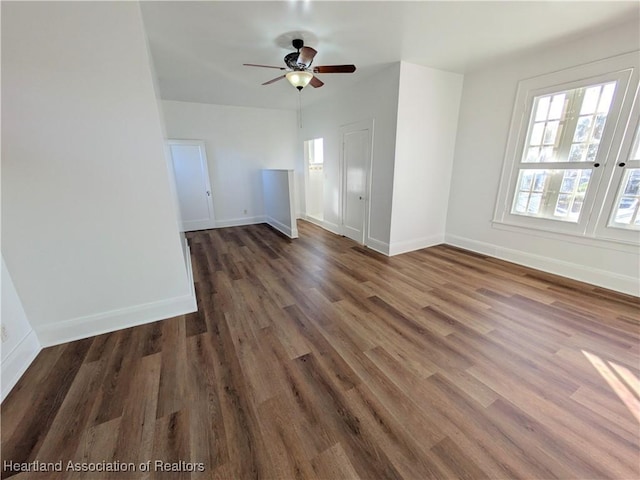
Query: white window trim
624	67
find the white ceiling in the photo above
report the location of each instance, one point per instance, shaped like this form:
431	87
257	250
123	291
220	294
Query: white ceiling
199	47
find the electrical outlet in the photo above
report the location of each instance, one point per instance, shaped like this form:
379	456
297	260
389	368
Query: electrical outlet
3	334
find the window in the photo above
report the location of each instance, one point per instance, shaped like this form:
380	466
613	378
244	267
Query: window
563	156
626	211
314	151
564	127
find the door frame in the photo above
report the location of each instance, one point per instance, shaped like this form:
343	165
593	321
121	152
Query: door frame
367	124
203	152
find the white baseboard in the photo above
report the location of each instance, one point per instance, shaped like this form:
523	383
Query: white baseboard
291	232
237	222
314	220
97	324
377	245
396	248
594	276
192	285
331	227
17	362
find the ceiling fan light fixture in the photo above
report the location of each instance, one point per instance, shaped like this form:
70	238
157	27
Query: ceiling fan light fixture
299	78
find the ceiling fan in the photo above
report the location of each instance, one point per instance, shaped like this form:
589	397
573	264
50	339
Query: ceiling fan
298	67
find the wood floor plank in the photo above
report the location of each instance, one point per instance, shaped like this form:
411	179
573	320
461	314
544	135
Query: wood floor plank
171	445
289	458
208	443
172	388
97	444
317	358
334	463
22	398
24	443
298	400
74	415
135	439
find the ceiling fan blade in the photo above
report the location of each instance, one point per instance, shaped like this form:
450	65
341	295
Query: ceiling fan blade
306	56
274	80
315	82
335	69
263	66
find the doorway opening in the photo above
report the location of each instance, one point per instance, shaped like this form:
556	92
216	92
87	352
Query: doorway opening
314	179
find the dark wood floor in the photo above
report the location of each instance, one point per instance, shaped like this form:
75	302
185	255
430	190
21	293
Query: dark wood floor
317	358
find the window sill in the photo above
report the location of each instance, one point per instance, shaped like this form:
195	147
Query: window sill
599	242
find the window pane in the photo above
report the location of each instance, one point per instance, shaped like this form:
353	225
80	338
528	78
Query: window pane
625	214
318	155
546	155
563	205
314	151
592	151
635	154
554	194
521	202
633	182
598	127
576	153
577	206
590	101
625	210
561	137
542	108
569	182
536	134
540	176
557	106
550	133
532	154
526	180
583	128
607	96
534	203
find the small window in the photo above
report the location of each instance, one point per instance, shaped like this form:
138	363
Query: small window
314	151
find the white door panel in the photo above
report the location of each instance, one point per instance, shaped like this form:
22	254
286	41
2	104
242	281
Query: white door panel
356	156
189	163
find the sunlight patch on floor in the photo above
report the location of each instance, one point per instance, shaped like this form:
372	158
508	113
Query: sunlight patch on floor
621	380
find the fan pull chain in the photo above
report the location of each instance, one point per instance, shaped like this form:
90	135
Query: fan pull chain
300	109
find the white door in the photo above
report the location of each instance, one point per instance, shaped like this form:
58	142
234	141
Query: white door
189	162
356	158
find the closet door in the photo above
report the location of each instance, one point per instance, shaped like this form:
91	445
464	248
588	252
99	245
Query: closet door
189	162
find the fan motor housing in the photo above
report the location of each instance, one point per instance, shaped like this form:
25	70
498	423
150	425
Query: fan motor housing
291	60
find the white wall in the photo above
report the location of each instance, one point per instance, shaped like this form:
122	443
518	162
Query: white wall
89	230
240	142
279	199
167	153
20	344
428	106
487	104
375	98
